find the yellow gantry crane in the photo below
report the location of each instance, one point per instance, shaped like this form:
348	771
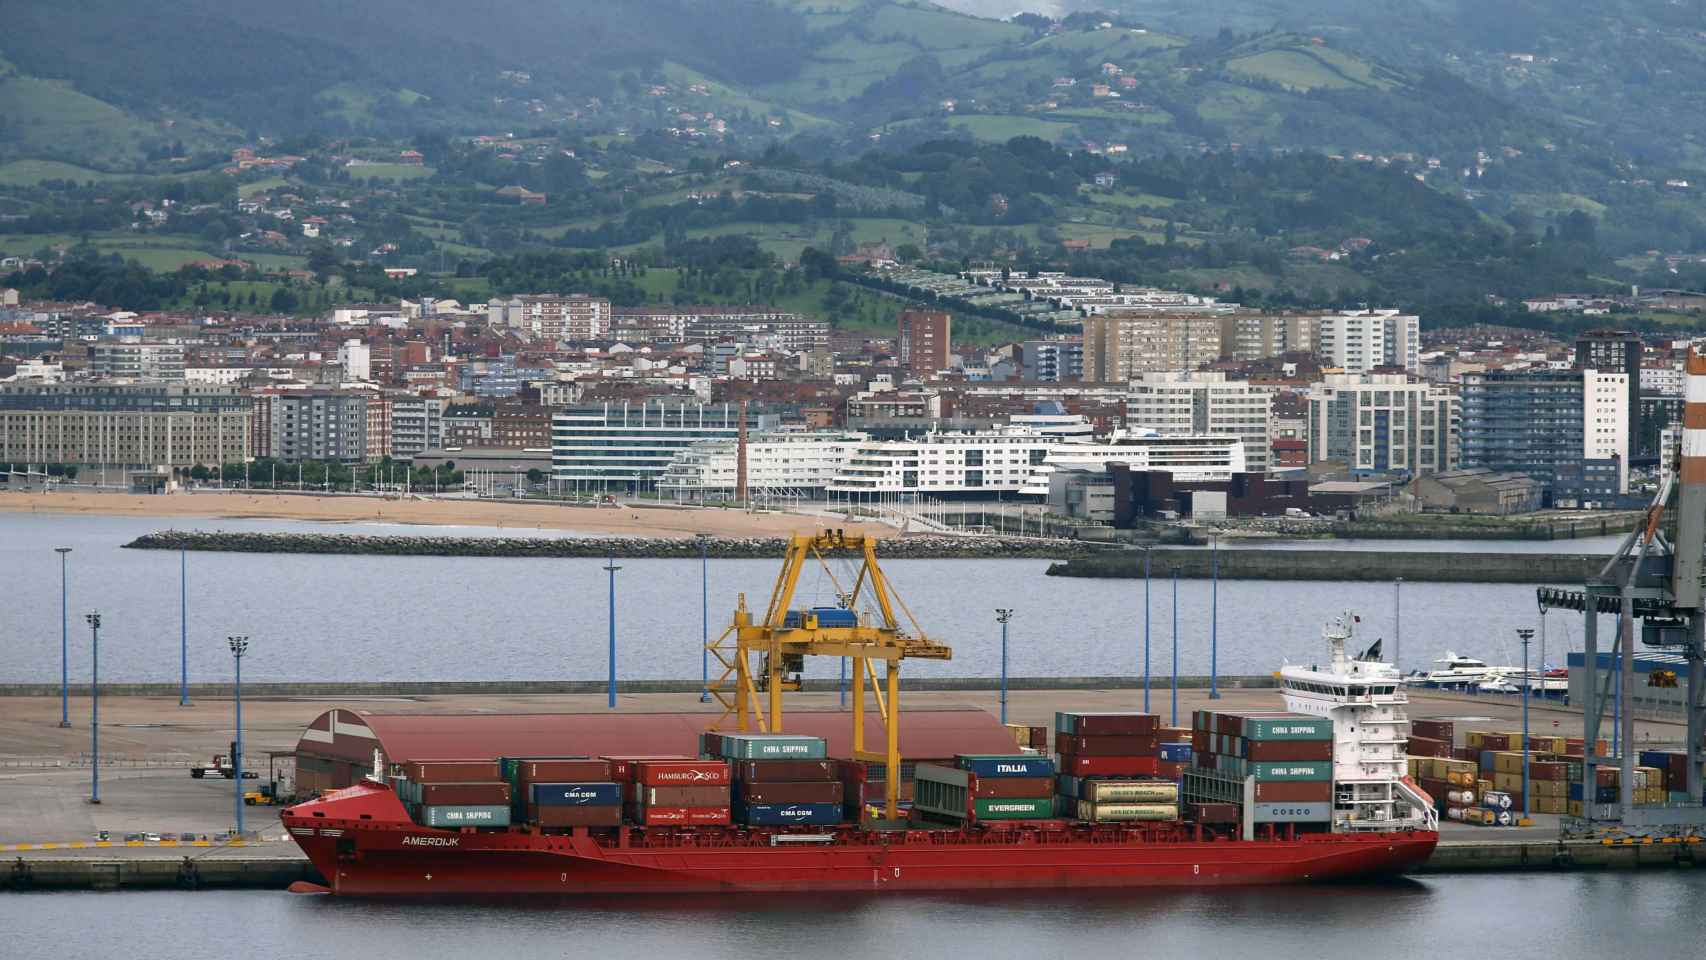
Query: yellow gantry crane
767	657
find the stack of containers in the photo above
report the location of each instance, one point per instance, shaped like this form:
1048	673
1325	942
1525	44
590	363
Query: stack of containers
1112	765
566	792
985	787
780	779
863	786
1431	738
1673	768
455	793
675	791
1028	738
1289	755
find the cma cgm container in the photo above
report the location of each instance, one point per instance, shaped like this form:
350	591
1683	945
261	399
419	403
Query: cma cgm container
782	814
576	794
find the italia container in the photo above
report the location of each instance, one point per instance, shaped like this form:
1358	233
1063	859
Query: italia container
576	794
783	814
466	816
771	746
1000	765
1094	812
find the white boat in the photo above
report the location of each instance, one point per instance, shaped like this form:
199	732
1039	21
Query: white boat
1461	671
1365	698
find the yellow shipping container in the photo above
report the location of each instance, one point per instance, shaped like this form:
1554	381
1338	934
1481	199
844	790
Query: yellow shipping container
1546	744
1514	738
1549	788
1483	785
1473	739
1574	808
1506	761
1507	782
1548	804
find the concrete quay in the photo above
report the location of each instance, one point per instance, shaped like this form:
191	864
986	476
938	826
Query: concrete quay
1382	565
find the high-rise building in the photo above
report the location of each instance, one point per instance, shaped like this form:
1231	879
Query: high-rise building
378	434
417	425
1203	404
1383	423
356	359
1122	344
121	360
553	317
629	445
123	425
1357	341
1051	361
1545	423
1257	336
926	341
313	425
1616	351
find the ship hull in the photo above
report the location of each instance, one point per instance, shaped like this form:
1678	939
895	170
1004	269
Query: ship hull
394	857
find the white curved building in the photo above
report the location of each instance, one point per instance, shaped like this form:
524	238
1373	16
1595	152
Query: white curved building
783	462
1190	459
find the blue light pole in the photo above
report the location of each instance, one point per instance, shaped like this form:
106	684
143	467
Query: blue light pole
1175	720
1527	686
1146	629
94	621
705	614
1214	617
239	646
183	627
612	568
64	644
1002	615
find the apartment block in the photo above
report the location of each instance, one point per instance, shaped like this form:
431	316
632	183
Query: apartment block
1122	345
123	425
1203	404
1383	423
1357	341
925	341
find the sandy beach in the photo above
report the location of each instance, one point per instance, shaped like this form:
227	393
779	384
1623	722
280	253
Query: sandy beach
622	520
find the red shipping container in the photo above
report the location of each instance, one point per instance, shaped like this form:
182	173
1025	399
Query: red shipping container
1548	771
1037	738
1428	747
555	816
695	796
682	816
622	769
1172	769
1676	771
1466	753
465	794
1434	730
1497	742
785	771
1107	746
681	773
1012	787
584	770
1294	791
1201	740
1270	751
452	771
1174	734
800	791
1115	724
1216	813
1110	766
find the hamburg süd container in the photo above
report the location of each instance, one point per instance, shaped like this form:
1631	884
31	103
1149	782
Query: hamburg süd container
681	816
481	815
681	773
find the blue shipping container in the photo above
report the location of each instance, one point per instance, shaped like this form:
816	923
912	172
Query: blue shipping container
577	794
1001	765
1176	752
781	814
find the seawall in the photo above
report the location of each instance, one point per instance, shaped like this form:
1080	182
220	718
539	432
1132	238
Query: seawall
927	547
1197	563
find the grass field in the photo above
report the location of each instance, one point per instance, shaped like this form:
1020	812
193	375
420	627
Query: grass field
261	186
49	117
1290	68
23	173
389	171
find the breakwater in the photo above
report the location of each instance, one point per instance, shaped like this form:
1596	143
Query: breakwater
1337	565
922	547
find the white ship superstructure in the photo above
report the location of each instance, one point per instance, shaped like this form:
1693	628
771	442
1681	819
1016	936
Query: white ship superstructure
1190	459
1365	699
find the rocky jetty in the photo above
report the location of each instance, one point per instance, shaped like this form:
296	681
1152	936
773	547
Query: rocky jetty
894	548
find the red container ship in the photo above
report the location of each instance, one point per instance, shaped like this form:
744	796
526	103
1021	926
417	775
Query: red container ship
364	843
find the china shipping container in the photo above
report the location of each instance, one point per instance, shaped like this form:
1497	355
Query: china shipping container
771	746
466	816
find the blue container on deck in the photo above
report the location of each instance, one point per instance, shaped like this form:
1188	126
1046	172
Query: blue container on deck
577	794
1487	761
1655	758
1176	753
826	617
782	814
1005	765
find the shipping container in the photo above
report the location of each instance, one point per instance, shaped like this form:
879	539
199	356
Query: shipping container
580	770
685	796
1110	766
575	795
1434	730
1106	724
670	773
1291	812
453	771
789	771
1294	791
625	769
461	794
1265	771
1215	813
799	791
1129	791
771	746
1013	808
588	816
986	787
1096	812
1001	765
482	815
1106	746
1170	752
781	814
680	816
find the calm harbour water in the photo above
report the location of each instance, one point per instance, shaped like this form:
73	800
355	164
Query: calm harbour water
1556	916
430	618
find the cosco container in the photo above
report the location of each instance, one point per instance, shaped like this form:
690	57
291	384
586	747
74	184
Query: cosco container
466	816
999	765
577	794
771	746
781	814
1291	812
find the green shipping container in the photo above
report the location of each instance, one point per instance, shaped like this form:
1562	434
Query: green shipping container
1288	728
462	816
773	746
1013	808
1289	770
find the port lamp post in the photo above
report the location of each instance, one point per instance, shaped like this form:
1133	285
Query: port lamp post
64	643
611	568
1398	624
183	627
1002	615
1525	635
1146	550
1175	721
705	616
94	621
1214	617
239	646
